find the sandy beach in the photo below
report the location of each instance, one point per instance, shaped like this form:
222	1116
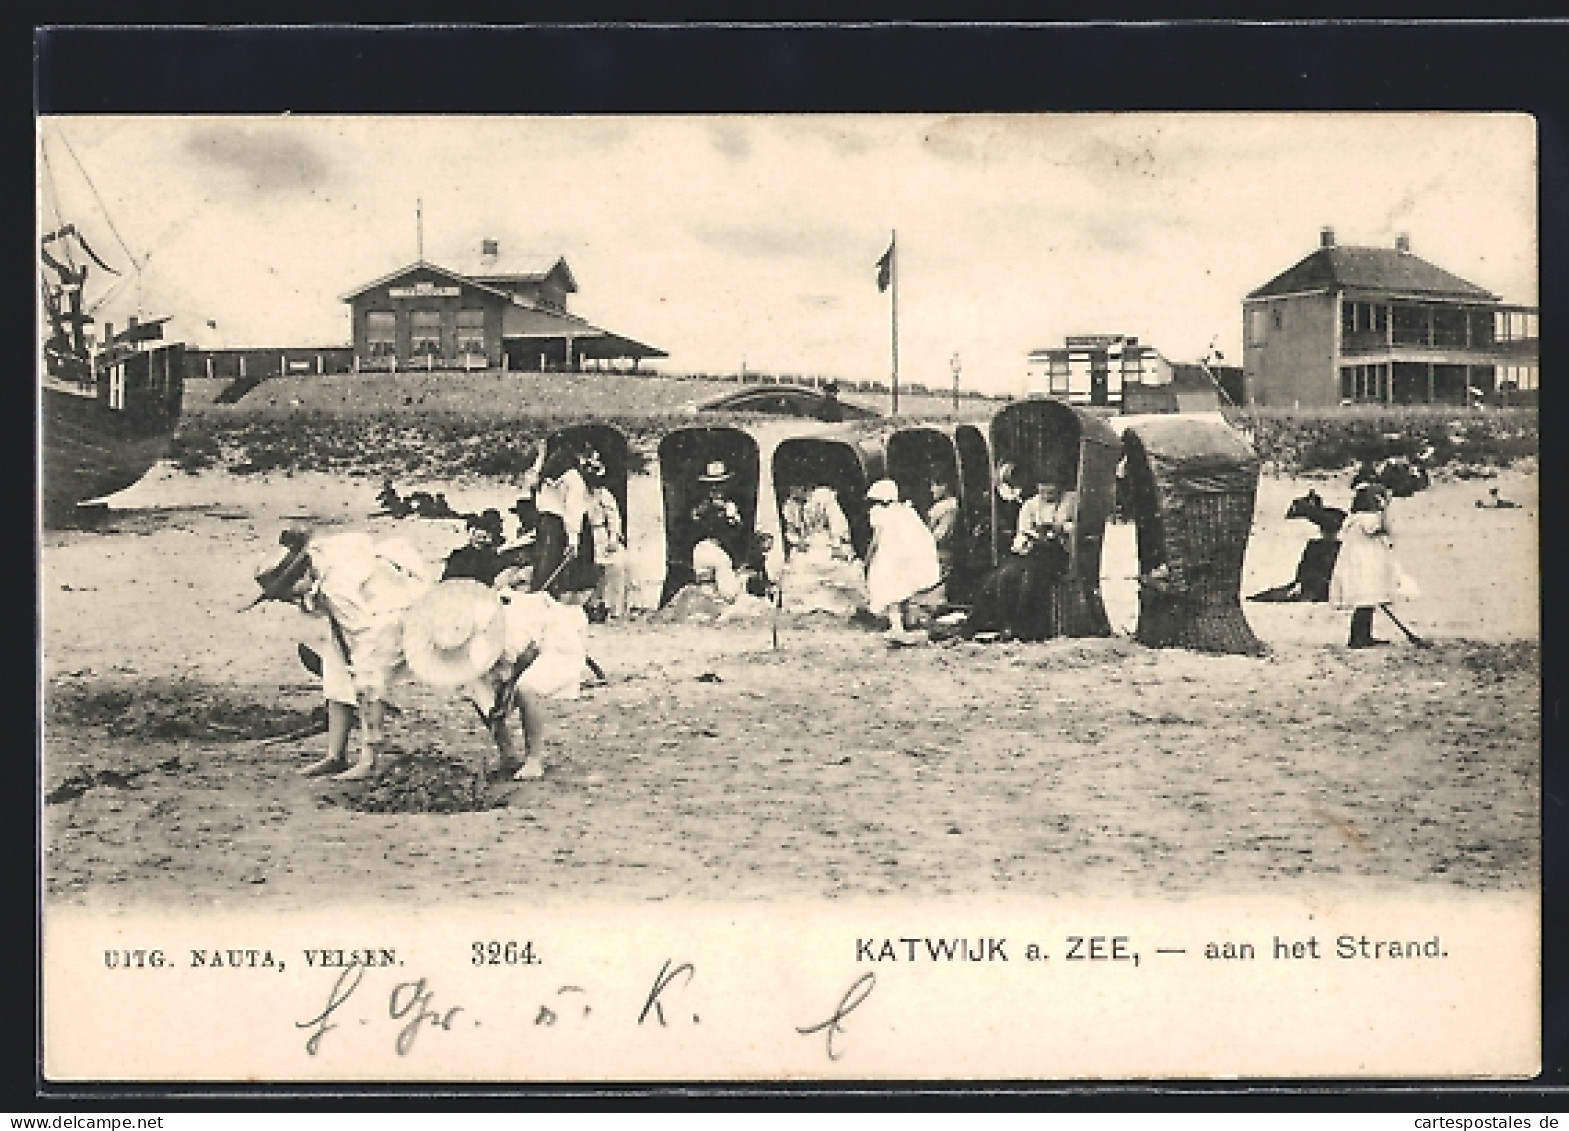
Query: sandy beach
826	768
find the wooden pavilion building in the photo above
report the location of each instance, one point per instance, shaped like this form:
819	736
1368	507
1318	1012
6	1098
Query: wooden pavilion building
489	313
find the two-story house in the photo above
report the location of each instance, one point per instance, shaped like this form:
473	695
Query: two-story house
1358	325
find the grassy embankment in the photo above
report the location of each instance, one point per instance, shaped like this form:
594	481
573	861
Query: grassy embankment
1464	443
451	425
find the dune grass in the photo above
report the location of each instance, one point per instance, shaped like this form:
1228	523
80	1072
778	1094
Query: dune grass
489	424
1452	439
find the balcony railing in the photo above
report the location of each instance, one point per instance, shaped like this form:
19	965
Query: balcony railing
1364	344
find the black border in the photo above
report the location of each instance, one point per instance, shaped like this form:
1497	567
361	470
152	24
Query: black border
122	65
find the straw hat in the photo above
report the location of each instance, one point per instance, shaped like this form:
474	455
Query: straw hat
883	491
715	472
280	571
454	633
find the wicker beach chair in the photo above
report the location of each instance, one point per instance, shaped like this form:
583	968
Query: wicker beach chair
614	451
847	461
1193	484
959	455
684	456
1079	452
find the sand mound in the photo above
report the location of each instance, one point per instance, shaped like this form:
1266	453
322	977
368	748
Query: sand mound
425	781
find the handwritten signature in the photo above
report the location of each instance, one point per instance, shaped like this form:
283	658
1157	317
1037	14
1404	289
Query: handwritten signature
409	1001
414	1003
858	992
335	998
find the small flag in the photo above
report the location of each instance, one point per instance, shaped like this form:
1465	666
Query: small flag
885	269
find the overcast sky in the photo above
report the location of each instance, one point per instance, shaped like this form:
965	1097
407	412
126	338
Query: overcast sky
755	239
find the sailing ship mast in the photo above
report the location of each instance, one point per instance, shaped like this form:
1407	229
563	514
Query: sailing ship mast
66	260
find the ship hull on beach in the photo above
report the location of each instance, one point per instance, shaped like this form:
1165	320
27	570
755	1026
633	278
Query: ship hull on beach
103	438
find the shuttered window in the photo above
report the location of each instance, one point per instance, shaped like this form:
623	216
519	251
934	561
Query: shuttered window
425	333
381	333
471	332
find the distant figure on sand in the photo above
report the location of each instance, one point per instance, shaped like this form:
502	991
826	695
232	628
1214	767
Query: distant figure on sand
1401	476
390	501
1496	502
833	408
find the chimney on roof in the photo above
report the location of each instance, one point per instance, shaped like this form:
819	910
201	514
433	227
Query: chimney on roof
1403	244
490	249
1326	237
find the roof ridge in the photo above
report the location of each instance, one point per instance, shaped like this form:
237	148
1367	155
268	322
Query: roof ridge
1358	266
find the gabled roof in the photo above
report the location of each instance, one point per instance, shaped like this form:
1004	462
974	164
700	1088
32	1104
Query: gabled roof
1369	269
522	267
421	265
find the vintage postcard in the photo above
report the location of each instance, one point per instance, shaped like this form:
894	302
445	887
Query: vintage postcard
883	597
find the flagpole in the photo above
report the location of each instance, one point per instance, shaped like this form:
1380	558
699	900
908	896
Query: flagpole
893	253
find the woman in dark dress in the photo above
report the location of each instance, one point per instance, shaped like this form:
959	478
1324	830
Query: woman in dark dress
1016	598
563	555
480	558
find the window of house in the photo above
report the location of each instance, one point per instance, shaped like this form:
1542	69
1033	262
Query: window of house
381	333
1449	328
1057	376
1078	376
471	331
425	333
1279	317
1132	369
1410	325
1363	317
1256	326
1364	384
